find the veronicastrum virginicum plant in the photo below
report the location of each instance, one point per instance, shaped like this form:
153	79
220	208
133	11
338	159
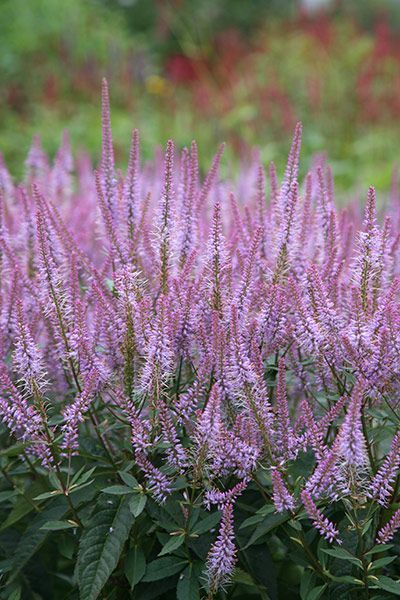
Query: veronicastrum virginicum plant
199	382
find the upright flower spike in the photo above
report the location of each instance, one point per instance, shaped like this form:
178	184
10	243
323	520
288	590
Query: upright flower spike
216	260
210	178
176	454
320	522
108	219
24	420
351	441
286	234
282	498
159	357
328	480
188	217
219	498
130	193
209	420
61	180
75	412
158	483
27	358
241	372
387	532
274	194
221	558
367	261
246	286
382	485
292	169
165	220
37	165
107	167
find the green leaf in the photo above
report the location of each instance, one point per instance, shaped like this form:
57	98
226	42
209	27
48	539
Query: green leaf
55	481
240	576
23	506
382	562
47	495
173	544
207	524
346	579
101	545
258	517
306	584
135	566
137	502
188	585
128	479
164	567
7	495
389	585
343	555
269	523
15	594
59	525
258	562
379	548
14	450
80	477
117	490
316	593
34	535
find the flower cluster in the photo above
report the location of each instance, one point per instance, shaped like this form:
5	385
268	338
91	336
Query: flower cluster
214	327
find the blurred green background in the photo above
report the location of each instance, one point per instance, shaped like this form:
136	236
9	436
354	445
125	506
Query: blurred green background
240	71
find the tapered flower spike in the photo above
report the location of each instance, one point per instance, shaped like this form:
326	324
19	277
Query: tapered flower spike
221	558
241	372
158	483
209	420
37	164
27	358
387	532
367	261
106	212
176	455
282	498
274	193
165	220
219	498
210	178
320	522
25	421
159	357
261	205
130	193
188	220
246	286
292	168
351	444
74	413
217	260
107	169
382	485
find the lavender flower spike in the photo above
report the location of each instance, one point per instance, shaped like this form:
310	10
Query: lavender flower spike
222	555
352	446
282	498
382	484
387	532
322	523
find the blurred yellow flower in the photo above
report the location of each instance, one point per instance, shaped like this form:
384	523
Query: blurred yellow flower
157	85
